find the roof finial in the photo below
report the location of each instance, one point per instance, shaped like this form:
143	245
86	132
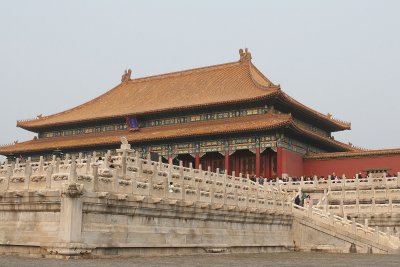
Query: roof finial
126	76
244	56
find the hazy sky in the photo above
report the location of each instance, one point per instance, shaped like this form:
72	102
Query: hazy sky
335	56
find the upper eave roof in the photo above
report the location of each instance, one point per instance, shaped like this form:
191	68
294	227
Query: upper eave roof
214	85
228	83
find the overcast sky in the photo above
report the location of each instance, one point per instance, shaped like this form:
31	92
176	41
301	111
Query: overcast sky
340	57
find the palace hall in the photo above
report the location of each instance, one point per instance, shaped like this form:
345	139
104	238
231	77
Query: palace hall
228	117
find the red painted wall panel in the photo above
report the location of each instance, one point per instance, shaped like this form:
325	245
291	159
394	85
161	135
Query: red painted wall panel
289	162
350	166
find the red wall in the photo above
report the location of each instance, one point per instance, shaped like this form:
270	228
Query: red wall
350	166
289	162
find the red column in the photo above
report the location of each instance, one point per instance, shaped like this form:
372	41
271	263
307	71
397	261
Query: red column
237	165
280	162
267	165
258	162
208	161
196	160
226	163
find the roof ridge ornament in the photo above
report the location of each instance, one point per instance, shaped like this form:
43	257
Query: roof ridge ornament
245	56
126	77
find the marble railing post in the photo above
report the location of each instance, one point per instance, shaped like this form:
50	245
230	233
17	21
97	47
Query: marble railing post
49	172
212	189
326	202
343	182
88	161
95	170
377	234
331	218
341	210
41	164
388	231
373	204
357	205
94	157
181	172
384	179
309	210
369	179
115	181
57	165
139	163
28	172
6	178
123	164
73	176
16	163
66	160
353	225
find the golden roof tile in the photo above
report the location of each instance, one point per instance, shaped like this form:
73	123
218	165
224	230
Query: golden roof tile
202	128
340	125
354	154
219	84
233	82
324	139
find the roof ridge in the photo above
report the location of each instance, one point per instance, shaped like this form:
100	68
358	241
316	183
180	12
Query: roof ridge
185	72
254	68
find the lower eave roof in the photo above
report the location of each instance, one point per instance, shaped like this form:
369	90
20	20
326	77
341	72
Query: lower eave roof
223	126
323	139
261	122
354	154
334	124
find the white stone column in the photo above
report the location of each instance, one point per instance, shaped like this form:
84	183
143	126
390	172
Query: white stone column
71	215
71	208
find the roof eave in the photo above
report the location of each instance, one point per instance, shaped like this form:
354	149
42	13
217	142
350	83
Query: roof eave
37	128
276	126
333	123
333	143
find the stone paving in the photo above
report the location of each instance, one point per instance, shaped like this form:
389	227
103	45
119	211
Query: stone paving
217	260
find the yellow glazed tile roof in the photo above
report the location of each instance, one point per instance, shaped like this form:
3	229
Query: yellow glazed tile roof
214	127
233	82
223	126
354	154
226	83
